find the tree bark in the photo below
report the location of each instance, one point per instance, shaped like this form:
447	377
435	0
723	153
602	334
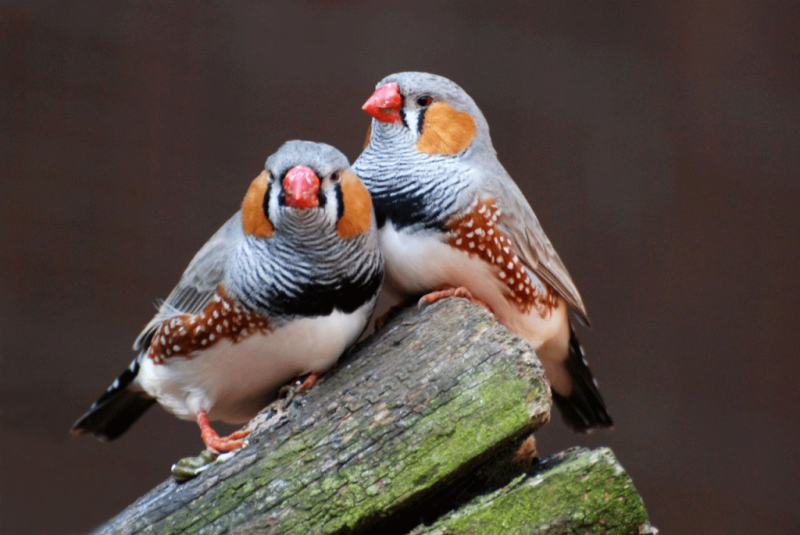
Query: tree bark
417	421
577	491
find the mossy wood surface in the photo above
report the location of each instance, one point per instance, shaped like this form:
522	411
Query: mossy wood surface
577	491
432	397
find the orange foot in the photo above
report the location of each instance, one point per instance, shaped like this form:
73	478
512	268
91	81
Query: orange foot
434	296
309	383
288	392
215	442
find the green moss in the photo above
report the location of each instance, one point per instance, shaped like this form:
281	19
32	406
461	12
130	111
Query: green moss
587	493
379	450
473	422
483	412
380	460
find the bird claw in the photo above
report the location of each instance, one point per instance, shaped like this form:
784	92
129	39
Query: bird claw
287	393
226	444
309	383
462	292
217	443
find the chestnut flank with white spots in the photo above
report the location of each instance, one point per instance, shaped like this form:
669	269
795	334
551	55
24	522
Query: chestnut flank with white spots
221	319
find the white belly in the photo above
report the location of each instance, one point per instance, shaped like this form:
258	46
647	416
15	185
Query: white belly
232	382
418	263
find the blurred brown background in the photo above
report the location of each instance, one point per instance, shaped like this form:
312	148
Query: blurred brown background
658	145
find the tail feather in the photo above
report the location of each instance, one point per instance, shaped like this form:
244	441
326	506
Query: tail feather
116	410
584	409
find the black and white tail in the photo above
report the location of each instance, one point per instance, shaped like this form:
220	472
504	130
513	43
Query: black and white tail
117	409
584	409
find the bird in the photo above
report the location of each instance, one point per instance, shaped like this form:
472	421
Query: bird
282	289
452	222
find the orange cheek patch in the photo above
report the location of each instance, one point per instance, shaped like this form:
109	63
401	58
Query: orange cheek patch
477	234
254	221
221	319
446	131
357	216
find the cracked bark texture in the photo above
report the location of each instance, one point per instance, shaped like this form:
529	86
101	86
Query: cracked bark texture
416	421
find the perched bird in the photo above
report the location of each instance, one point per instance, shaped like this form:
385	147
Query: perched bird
451	219
281	290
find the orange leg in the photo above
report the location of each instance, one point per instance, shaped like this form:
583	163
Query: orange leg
309	383
434	296
288	392
215	442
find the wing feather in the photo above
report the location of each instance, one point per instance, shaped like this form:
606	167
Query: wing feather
531	244
199	281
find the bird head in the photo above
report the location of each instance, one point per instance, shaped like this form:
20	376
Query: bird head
428	111
307	185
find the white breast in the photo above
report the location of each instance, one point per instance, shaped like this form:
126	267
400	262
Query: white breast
233	381
421	262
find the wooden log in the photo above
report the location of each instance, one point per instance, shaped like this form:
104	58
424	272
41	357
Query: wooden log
436	393
577	491
417	420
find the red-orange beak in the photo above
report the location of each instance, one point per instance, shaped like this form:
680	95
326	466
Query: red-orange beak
385	103
301	186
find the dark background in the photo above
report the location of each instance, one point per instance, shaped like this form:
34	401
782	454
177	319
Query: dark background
658	145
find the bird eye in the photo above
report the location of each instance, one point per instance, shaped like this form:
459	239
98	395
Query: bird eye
335	177
424	100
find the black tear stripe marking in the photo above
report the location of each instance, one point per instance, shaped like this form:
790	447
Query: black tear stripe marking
421	120
339	201
319	299
322	199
